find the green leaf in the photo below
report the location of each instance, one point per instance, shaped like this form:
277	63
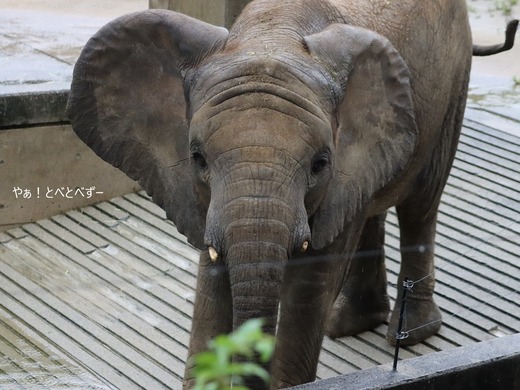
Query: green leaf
249	369
215	368
265	347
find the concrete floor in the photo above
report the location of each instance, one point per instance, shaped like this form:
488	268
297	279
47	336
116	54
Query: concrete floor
40	40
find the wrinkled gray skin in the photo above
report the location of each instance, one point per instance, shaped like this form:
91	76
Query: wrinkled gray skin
301	126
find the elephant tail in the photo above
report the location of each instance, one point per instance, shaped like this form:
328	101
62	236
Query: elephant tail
479	50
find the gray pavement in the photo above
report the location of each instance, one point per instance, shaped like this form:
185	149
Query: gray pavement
41	40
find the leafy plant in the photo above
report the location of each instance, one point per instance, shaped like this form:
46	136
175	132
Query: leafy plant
218	368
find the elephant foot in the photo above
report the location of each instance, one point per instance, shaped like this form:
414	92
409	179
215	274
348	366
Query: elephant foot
350	316
423	319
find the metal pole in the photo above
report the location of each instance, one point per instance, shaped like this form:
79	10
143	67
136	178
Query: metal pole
407	285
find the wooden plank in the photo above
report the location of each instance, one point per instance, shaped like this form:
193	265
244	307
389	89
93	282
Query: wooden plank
496	153
499	123
489	209
4	238
146	374
46	319
159	232
24	359
473	127
123	237
150	213
97	303
477	283
80	231
121	269
142	200
65	235
483	198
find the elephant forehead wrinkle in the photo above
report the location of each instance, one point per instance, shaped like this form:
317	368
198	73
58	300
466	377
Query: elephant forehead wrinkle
233	79
241	133
250	170
276	168
250	202
271	155
253	260
278	184
258	231
283	72
253	95
247	219
274	154
259	188
258	195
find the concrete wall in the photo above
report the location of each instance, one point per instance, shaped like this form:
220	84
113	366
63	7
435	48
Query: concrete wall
217	12
44	165
490	365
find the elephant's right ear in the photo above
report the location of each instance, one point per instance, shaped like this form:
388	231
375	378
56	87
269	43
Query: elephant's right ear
127	103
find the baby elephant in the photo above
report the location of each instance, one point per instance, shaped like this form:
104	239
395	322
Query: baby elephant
277	147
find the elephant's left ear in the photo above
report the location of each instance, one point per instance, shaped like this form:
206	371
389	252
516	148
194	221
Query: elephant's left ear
376	134
127	103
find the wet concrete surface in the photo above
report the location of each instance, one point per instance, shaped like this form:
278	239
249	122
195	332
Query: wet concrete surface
487	26
40	41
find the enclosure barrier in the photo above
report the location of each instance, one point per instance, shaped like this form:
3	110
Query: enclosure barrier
488	365
44	164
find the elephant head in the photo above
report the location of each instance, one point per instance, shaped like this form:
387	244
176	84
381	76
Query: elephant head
255	153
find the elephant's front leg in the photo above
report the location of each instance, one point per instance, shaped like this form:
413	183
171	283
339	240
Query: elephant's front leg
306	299
213	311
363	302
423	317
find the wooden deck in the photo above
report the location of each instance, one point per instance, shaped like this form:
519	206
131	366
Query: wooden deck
101	298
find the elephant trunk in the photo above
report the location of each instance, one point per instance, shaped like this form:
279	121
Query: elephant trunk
256	219
257	240
256	272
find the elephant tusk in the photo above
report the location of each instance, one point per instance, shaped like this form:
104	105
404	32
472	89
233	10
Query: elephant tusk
304	247
213	255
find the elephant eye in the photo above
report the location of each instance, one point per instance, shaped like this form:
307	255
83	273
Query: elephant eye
320	162
199	160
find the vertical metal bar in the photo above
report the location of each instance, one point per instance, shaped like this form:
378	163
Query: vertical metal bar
399	335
